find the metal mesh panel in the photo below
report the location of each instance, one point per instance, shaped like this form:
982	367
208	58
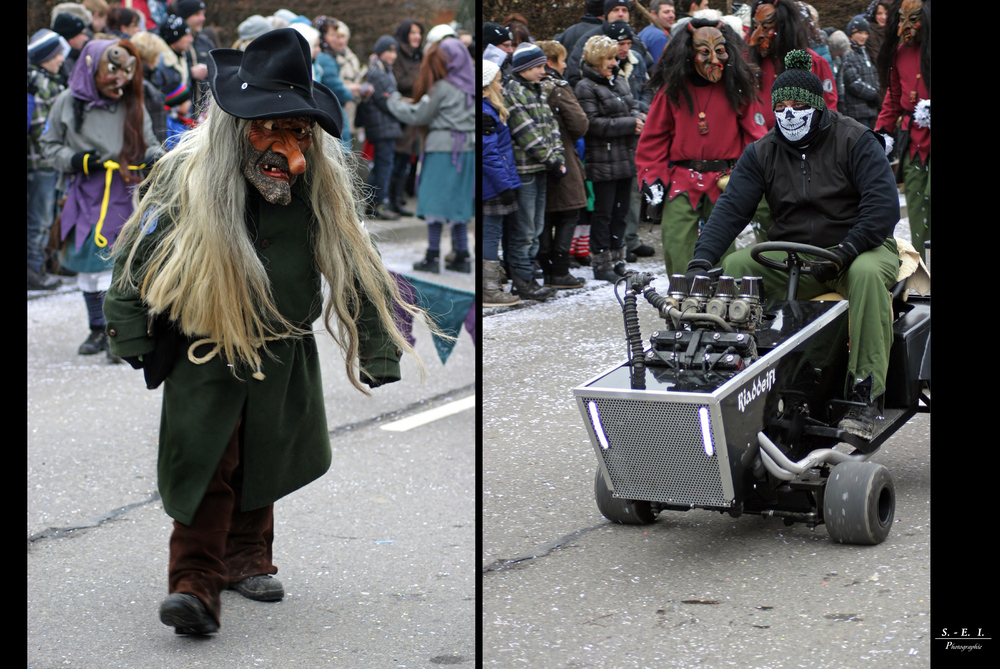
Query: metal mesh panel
656	452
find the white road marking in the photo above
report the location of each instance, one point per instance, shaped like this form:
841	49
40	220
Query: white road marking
430	415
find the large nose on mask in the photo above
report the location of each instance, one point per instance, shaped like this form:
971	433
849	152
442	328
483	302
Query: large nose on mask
288	146
789	115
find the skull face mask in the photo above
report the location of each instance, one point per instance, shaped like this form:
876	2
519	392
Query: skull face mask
115	69
794	124
710	53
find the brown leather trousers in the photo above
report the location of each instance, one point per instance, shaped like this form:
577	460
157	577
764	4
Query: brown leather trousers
223	544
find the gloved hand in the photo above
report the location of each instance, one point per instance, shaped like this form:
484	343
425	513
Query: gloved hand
88	158
556	169
653	196
698	266
846	253
507	197
487	123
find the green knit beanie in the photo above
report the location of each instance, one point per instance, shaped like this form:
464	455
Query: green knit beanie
797	82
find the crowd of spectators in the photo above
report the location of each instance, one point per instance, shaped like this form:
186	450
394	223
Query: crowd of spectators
589	132
407	103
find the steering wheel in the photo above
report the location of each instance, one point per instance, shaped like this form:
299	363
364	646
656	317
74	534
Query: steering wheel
794	264
793	249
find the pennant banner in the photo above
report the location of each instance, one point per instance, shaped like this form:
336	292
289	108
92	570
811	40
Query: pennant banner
449	308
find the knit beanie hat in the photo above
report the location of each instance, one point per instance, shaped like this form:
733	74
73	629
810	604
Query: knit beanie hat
611	4
173	29
45	45
856	24
68	26
797	82
186	8
618	30
489	73
179	95
527	56
253	27
383	44
494	33
595	8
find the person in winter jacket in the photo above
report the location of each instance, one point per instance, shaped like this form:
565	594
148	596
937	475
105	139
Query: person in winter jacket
905	67
849	206
45	57
538	150
500	183
705	112
859	77
381	128
410	54
444	93
614	124
566	195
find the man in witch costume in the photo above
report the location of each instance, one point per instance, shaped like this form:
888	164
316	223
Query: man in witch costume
688	147
904	65
849	205
217	282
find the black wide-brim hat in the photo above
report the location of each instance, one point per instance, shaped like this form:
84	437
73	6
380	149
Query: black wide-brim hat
272	79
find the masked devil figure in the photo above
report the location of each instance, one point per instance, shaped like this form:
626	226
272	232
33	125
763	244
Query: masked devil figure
688	147
905	69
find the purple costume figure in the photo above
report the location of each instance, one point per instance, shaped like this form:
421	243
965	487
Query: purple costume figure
101	138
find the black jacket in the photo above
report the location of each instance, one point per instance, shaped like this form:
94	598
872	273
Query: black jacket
609	145
840	188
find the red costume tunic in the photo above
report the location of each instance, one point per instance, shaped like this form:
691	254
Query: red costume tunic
820	67
904	79
671	134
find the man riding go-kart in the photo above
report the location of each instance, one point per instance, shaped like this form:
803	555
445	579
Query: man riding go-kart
828	183
746	389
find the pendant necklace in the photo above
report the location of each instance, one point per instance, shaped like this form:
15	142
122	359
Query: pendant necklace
702	123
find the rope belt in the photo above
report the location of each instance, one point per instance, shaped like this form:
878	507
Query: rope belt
201	360
109	166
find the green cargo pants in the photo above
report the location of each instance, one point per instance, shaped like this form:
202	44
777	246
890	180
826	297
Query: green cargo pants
679	230
917	189
865	284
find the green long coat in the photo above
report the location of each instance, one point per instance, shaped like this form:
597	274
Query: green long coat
287	442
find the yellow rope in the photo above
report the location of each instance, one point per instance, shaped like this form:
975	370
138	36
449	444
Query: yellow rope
110	166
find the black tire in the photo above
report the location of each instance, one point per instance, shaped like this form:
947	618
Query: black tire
860	503
622	511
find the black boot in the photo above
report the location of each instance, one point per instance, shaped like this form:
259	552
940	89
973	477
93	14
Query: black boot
459	262
430	263
397	196
530	290
603	267
95	343
862	416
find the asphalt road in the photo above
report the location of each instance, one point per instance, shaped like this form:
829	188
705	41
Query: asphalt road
563	587
377	557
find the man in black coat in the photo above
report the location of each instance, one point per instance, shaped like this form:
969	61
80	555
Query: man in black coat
828	183
614	10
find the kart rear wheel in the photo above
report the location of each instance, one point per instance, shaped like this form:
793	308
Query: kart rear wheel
622	511
860	503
